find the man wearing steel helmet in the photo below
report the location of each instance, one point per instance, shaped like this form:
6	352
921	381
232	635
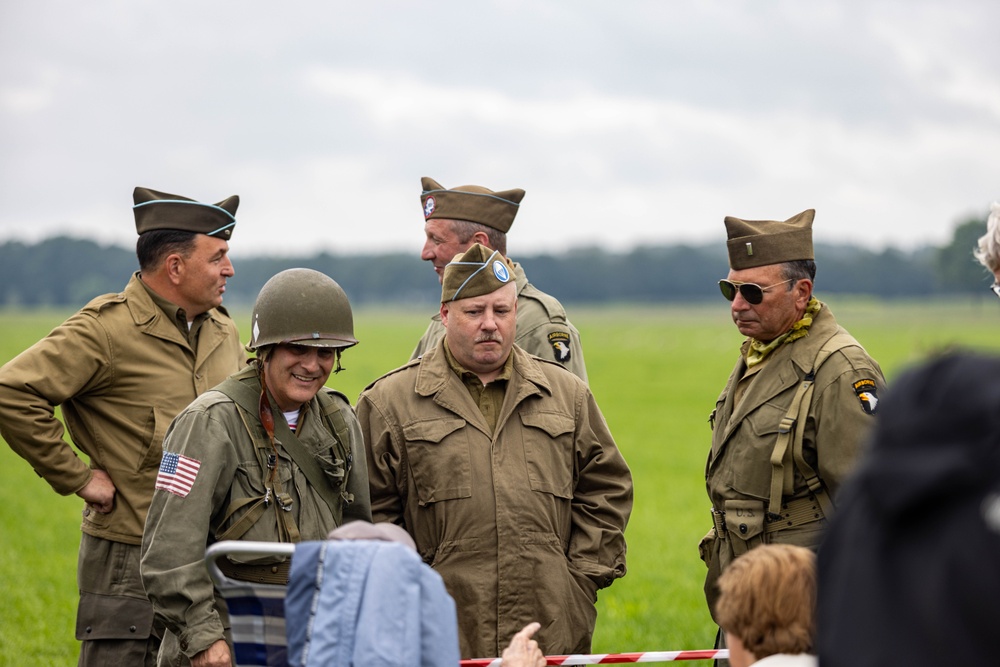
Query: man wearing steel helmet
121	368
789	425
268	455
469	214
501	467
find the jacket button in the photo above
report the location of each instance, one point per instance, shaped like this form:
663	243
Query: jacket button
89	629
131	628
274	569
743	529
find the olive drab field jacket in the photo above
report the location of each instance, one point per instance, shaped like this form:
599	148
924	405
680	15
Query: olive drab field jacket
230	467
543	328
121	370
524	523
826	439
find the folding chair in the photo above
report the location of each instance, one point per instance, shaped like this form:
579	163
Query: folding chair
256	611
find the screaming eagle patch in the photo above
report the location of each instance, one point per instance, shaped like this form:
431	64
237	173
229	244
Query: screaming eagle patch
559	340
865	389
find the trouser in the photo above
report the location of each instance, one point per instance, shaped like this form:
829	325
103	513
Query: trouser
114	618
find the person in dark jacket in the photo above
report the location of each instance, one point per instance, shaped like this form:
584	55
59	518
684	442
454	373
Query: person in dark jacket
909	569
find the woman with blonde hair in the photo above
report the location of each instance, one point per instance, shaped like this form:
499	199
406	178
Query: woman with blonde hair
767	607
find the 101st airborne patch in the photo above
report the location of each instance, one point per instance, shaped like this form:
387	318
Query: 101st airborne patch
865	389
559	340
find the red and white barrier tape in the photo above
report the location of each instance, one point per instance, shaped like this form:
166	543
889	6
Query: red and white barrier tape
608	658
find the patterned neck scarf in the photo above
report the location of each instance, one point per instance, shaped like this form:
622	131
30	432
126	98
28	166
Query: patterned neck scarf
758	351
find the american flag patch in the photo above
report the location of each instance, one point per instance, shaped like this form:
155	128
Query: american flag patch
177	473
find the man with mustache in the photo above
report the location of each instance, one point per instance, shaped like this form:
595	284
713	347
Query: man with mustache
458	218
501	467
789	425
122	368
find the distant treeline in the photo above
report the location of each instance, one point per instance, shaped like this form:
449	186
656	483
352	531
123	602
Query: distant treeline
65	271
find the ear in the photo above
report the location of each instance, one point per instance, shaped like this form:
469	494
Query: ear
803	292
173	265
482	239
444	314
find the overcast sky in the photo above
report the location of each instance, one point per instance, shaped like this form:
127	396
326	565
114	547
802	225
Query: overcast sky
626	122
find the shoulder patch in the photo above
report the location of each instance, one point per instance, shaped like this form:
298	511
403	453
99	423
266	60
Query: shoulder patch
560	342
866	392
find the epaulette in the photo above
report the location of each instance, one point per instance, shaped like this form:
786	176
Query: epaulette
402	368
552	307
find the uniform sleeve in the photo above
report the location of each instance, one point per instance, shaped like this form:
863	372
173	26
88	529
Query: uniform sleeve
602	499
556	341
178	527
384	462
843	413
72	360
357	483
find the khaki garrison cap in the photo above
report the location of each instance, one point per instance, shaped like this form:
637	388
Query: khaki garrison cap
475	272
160	210
470	202
761	242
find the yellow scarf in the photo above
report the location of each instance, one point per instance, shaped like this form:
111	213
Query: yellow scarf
758	351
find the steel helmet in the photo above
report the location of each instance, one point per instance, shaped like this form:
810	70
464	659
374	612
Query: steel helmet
303	307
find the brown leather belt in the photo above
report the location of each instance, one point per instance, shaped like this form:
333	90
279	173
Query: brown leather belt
275	573
794	513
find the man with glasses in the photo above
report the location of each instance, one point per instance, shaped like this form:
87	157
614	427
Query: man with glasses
788	427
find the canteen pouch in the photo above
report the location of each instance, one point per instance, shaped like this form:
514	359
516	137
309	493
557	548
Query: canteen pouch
744	524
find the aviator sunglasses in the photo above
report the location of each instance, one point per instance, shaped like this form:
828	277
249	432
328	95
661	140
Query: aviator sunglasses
752	292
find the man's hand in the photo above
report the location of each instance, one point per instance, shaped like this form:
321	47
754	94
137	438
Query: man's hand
99	492
216	655
523	651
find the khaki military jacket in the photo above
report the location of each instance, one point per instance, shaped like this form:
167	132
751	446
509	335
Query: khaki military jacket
179	528
543	328
523	524
121	370
744	434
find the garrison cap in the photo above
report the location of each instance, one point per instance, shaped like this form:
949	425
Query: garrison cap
761	242
161	210
475	272
470	202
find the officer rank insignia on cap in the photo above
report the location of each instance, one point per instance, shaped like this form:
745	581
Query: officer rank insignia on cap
865	389
559	340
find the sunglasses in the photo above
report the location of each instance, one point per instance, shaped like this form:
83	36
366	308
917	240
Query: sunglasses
751	292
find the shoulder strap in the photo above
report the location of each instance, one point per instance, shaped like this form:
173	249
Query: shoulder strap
791	432
247	398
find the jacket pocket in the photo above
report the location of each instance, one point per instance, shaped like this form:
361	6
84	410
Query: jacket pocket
439	459
548	452
751	452
744	524
153	433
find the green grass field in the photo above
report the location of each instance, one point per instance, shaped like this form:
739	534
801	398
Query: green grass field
655	371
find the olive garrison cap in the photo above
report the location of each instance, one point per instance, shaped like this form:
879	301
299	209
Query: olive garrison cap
161	210
475	272
470	202
761	242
